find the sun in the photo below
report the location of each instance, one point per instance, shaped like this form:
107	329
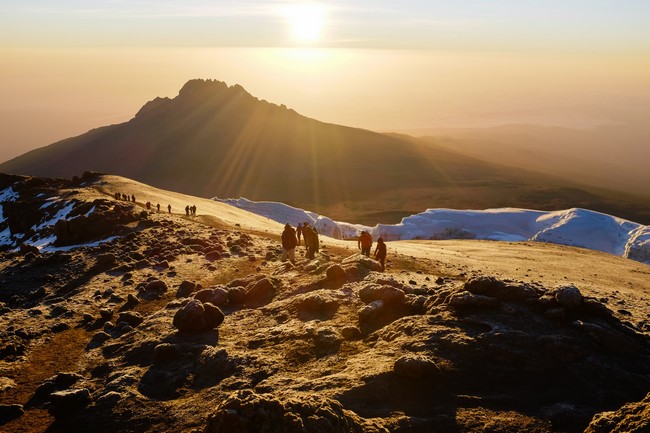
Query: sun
306	22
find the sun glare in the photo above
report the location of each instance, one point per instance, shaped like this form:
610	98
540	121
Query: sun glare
306	22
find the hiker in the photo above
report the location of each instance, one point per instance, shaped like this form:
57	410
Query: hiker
315	241
380	253
299	232
158	206
308	234
365	243
311	241
194	210
187	210
289	243
133	198
169	208
148	205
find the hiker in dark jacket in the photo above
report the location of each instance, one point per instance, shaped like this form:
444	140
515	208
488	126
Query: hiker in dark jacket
289	243
309	235
380	253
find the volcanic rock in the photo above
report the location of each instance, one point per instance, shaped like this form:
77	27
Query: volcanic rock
245	412
186	288
9	412
569	297
197	317
631	418
261	291
68	402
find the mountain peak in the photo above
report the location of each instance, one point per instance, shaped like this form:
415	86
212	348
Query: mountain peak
197	91
201	86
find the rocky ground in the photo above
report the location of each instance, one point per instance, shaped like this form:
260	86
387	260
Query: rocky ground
178	323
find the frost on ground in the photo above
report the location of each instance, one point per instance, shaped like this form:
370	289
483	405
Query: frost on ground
158	322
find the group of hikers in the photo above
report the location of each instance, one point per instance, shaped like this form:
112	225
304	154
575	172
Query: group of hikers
125	197
364	243
190	210
291	239
148	205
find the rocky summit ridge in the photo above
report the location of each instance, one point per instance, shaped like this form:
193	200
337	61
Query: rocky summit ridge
139	320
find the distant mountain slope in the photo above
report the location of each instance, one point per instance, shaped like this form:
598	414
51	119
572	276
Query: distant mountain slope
213	139
612	156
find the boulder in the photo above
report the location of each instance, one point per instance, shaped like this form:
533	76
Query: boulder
195	317
213	316
186	288
217	296
191	317
416	368
9	412
236	295
131	302
212	365
370	312
569	297
98	339
130	317
106	314
364	262
106	260
213	256
153	289
336	273
165	353
504	290
65	404
260	291
466	300
390	295
58	382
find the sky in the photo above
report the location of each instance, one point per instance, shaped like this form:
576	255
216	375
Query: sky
69	66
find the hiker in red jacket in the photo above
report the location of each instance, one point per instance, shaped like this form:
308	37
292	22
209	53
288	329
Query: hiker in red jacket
365	243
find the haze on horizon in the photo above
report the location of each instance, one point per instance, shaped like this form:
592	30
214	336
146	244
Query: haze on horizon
70	66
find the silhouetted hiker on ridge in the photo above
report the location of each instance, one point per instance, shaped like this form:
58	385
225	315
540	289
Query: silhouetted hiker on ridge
187	210
299	232
380	253
169	208
158	206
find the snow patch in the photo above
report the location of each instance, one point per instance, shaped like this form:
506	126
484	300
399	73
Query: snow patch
5	238
8	194
60	214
